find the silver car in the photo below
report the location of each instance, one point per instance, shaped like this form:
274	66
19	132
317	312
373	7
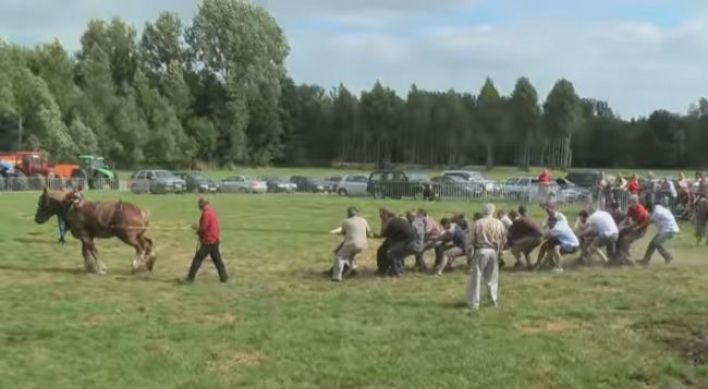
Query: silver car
243	184
156	181
354	185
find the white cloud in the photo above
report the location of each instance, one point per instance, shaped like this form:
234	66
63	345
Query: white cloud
610	50
636	67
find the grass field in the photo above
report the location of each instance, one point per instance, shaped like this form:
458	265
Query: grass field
280	324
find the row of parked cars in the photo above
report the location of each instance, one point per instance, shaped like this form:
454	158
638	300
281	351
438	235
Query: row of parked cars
165	181
387	183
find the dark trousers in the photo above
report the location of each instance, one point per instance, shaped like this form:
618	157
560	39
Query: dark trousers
397	252
382	257
211	250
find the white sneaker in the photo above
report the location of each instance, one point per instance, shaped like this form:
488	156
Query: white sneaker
557	270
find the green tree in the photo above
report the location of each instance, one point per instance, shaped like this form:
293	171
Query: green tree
244	45
161	45
489	117
118	40
176	90
381	112
83	137
525	116
561	117
345	122
53	64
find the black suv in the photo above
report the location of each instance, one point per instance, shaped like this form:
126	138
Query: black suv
396	184
584	178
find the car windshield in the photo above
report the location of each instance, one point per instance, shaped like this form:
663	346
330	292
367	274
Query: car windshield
456	178
198	177
97	162
469	175
163	174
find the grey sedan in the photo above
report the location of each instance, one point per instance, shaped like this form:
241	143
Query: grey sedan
156	181
243	184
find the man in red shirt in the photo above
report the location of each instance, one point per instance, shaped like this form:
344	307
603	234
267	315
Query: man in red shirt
208	232
633	186
633	228
544	184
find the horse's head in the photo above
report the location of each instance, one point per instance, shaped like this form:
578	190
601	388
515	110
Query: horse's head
49	204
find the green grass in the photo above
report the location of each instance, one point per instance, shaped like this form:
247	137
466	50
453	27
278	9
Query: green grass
280	324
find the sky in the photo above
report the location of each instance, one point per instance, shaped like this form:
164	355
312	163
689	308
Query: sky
638	55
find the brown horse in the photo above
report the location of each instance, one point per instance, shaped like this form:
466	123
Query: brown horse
700	220
88	220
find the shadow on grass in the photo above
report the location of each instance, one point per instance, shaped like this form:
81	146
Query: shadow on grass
144	277
53	270
37	241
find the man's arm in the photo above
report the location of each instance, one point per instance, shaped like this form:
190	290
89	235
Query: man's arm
369	233
642	225
204	222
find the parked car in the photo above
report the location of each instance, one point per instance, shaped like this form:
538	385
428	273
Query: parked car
156	181
243	184
354	185
526	189
399	183
197	182
585	178
573	193
490	186
313	185
453	186
332	183
281	185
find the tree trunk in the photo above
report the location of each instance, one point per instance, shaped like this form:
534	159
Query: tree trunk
490	155
20	133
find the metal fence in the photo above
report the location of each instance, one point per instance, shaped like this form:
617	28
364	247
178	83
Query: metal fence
19	184
446	191
496	192
677	204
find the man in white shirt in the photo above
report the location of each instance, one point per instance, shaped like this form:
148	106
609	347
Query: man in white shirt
603	231
666	228
356	232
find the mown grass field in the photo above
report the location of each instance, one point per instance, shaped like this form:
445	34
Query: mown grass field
279	323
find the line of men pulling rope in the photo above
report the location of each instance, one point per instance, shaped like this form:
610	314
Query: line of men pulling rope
483	241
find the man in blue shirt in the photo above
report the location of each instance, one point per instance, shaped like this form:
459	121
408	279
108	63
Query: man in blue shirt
565	242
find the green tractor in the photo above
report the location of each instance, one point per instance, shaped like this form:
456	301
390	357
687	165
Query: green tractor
94	171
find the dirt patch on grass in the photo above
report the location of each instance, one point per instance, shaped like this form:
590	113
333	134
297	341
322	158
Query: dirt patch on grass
550	326
687	336
219	319
225	364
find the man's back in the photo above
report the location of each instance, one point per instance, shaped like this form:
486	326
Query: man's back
664	220
524	226
565	235
356	230
209	226
488	232
399	230
602	223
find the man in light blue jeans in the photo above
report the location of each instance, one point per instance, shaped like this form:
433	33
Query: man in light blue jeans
666	227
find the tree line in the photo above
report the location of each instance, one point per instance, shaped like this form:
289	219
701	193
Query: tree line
217	90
